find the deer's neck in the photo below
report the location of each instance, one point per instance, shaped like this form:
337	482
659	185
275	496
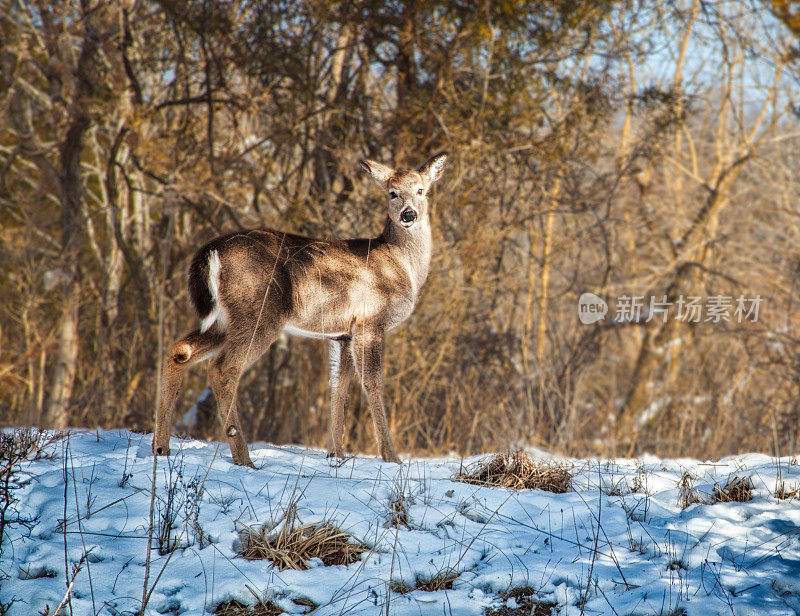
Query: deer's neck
412	248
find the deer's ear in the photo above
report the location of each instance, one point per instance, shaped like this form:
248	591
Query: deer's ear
432	170
379	173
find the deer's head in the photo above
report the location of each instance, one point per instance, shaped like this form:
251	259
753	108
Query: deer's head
407	189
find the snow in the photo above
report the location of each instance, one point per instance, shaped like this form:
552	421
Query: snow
621	527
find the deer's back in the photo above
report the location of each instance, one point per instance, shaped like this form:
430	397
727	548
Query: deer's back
317	287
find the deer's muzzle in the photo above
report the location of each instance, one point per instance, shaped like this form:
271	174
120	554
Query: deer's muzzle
408	216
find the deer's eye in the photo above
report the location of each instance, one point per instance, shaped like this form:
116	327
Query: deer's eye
419	192
392	194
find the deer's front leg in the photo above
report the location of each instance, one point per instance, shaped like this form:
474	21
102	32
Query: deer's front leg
367	351
341	373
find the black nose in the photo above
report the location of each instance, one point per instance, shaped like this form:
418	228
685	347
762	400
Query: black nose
408	215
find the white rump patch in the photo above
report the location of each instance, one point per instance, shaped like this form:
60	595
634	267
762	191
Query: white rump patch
217	314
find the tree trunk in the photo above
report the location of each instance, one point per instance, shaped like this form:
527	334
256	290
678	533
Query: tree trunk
66	357
72	196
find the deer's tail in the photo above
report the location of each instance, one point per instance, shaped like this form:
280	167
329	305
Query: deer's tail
204	288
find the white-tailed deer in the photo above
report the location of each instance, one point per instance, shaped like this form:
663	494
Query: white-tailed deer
248	287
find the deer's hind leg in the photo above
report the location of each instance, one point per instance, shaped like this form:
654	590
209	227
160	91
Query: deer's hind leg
241	349
189	350
341	373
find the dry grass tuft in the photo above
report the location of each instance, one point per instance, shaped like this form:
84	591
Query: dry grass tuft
441	581
688	494
295	544
263	608
234	608
518	471
526	604
304	602
784	493
736	490
399	503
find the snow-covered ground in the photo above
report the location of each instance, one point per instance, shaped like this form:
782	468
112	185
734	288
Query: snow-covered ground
620	539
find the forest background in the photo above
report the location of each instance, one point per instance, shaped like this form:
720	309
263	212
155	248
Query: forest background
626	149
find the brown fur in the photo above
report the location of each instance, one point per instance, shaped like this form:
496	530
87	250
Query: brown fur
350	292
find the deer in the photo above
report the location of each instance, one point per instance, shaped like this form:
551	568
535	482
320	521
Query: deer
247	287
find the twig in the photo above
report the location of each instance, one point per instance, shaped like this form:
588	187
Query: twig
67	597
596	539
145	594
80	530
